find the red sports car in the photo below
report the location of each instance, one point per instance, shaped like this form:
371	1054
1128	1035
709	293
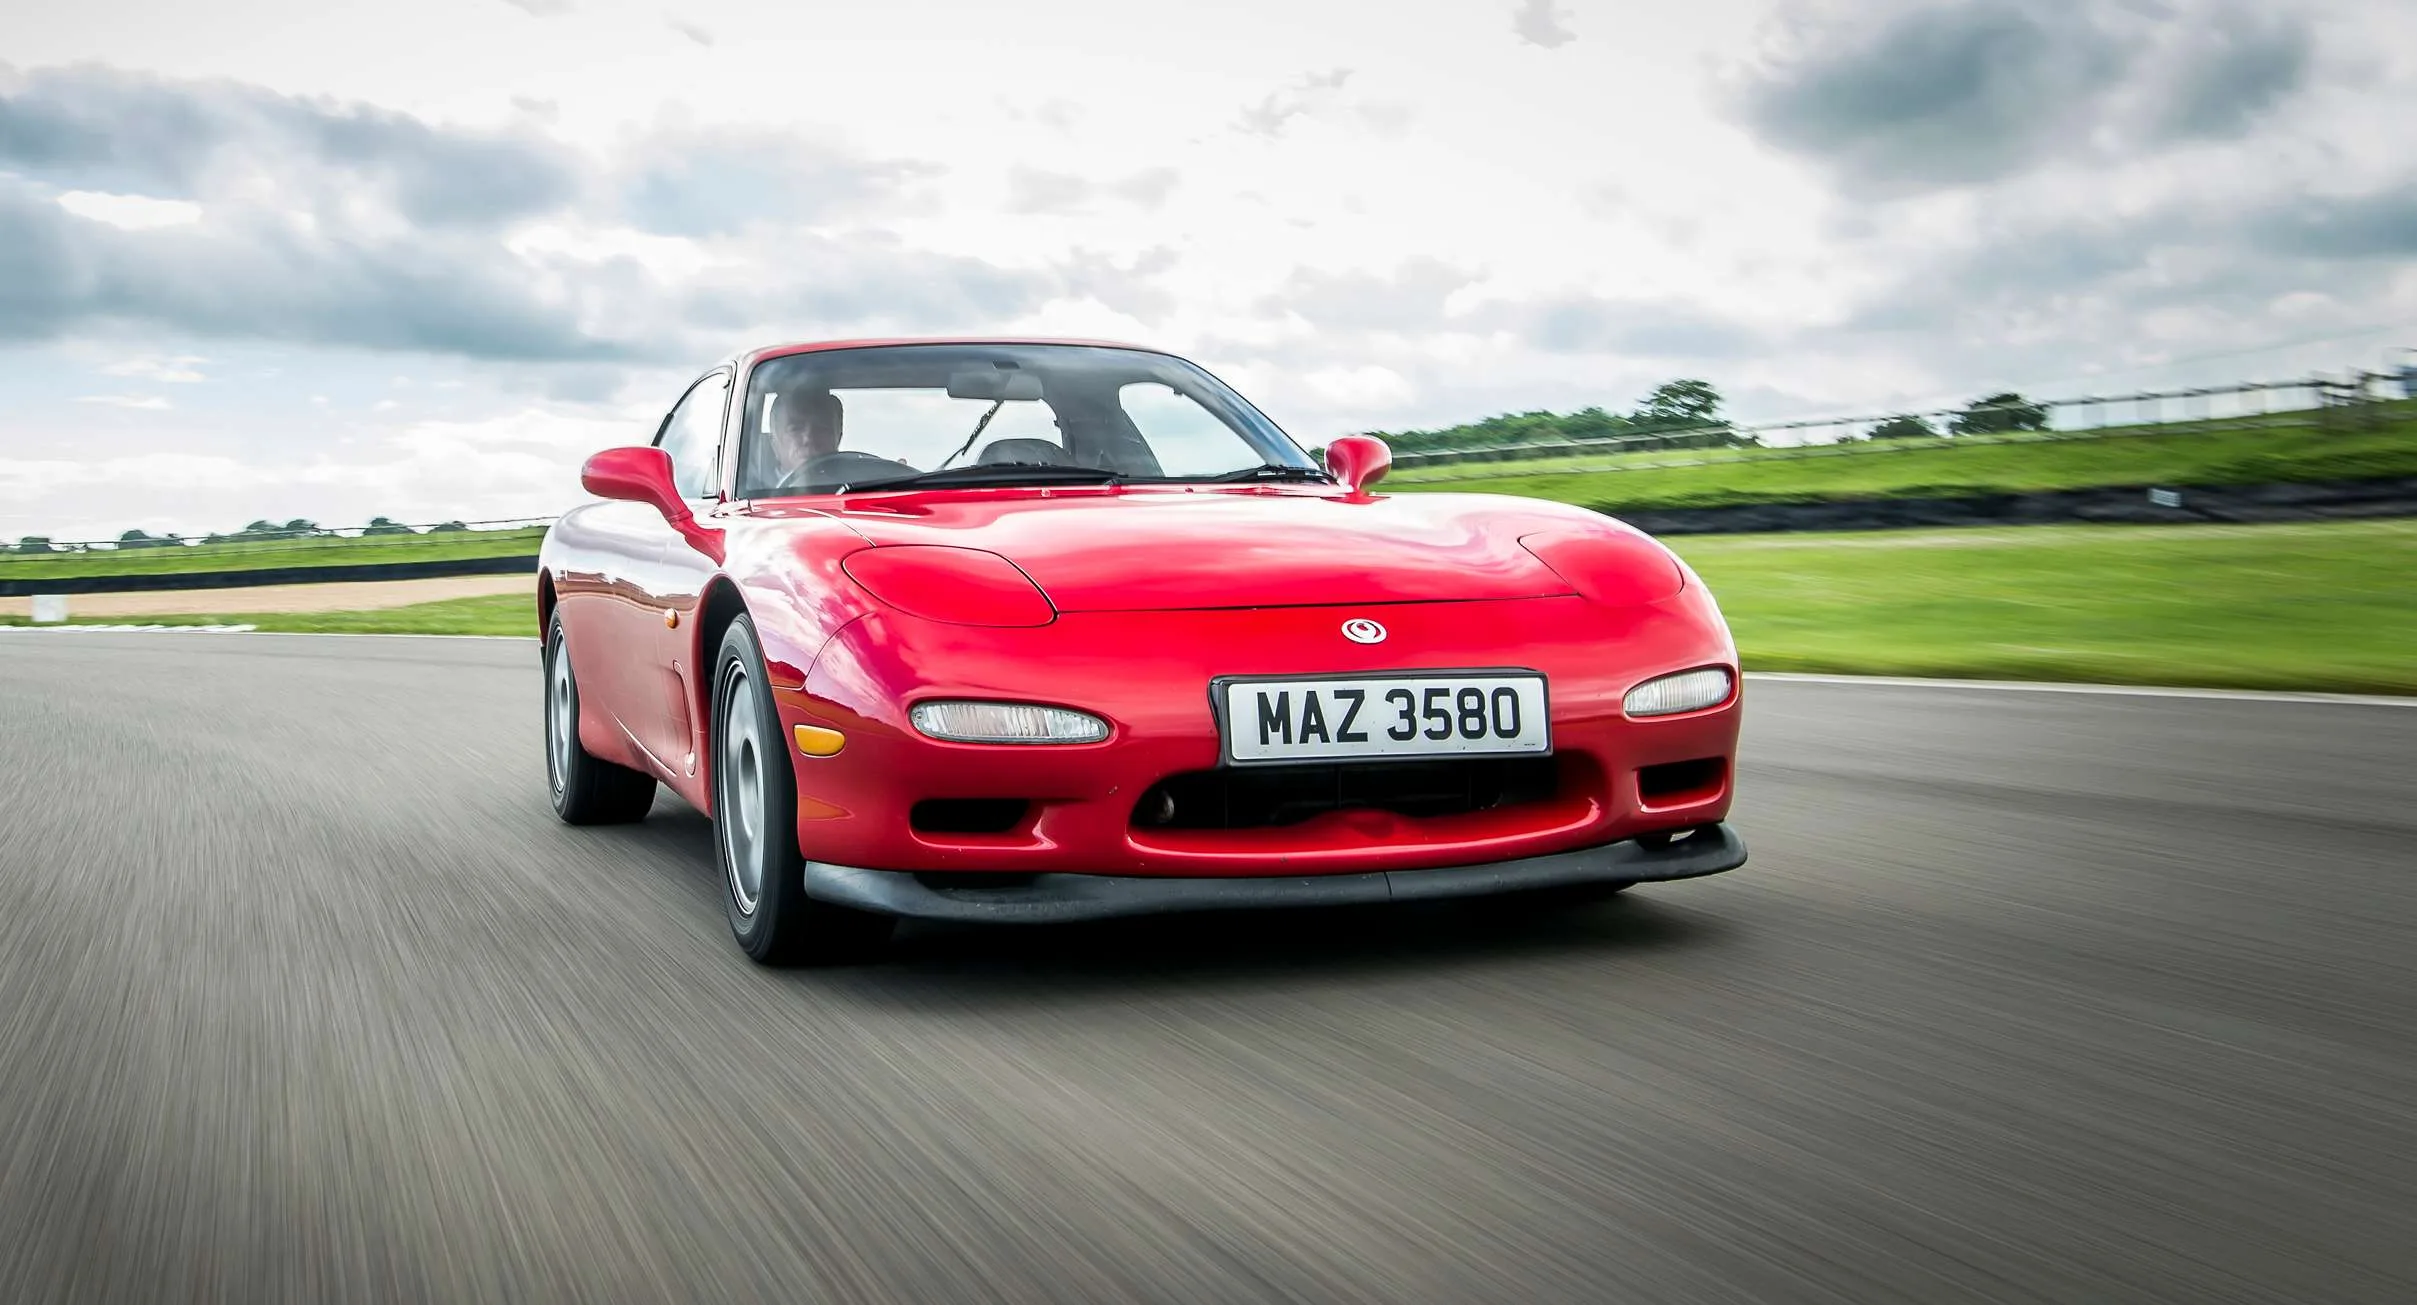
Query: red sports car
1021	630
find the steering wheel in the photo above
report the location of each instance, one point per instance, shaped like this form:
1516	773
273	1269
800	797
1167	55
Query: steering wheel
843	466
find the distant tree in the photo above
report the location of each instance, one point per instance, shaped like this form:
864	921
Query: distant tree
137	539
34	544
1680	403
447	528
1506	430
1999	413
299	528
1683	413
1593	424
385	526
1687	414
1905	427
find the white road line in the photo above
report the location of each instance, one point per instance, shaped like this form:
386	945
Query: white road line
134	628
2115	690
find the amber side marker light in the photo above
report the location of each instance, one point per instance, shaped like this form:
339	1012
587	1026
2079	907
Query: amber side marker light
815	741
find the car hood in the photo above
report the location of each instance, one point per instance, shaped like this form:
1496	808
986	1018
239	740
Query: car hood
1093	550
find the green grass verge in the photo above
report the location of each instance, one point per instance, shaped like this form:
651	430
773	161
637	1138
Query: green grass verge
494	614
2310	607
2323	607
1946	468
268	553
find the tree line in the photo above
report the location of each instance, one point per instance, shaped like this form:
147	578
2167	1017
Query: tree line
257	532
1686	414
1679	414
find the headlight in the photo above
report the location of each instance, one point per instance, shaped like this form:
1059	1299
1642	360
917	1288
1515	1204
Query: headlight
1006	722
1668	695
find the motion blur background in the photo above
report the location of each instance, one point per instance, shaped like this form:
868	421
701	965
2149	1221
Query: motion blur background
2065	343
274	260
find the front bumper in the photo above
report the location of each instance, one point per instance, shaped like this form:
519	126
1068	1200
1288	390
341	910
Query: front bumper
1052	898
1149	675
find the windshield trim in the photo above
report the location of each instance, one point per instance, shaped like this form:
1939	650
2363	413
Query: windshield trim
1246	419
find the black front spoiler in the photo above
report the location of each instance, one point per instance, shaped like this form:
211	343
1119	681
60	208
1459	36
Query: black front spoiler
1057	898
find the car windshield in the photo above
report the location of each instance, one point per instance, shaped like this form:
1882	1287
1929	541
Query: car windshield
991	414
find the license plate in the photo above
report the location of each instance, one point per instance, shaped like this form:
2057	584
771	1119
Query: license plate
1332	718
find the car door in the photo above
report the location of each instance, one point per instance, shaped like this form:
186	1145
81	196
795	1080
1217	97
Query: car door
607	599
668	580
685	569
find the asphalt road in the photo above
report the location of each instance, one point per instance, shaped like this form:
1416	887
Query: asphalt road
304	995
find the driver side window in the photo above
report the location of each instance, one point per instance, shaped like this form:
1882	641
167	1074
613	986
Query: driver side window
693	436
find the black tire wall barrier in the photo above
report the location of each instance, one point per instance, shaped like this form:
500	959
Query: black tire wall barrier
2114	505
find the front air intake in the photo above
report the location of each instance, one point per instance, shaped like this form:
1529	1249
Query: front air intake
1259	797
967	815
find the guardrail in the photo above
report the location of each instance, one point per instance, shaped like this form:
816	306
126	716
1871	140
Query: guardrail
2305	402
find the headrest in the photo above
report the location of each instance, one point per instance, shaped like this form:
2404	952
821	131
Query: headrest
1023	450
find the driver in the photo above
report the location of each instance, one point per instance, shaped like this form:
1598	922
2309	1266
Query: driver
805	428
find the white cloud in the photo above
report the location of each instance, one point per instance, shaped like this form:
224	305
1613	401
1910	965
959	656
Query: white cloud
129	212
1364	387
179	370
142	402
523	463
1292	193
1541	22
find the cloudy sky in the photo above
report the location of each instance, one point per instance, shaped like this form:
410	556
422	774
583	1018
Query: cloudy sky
269	258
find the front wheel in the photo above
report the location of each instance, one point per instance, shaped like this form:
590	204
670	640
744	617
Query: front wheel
755	826
587	790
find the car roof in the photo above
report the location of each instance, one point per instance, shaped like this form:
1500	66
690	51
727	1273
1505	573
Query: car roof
769	351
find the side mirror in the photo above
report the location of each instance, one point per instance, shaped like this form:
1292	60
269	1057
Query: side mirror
640	475
1358	461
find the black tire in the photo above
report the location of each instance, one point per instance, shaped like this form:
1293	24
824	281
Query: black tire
587	790
755	827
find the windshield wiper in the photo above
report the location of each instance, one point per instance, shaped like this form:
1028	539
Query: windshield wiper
979	427
994	473
1270	471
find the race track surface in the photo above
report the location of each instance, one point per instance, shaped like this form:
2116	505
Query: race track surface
304	995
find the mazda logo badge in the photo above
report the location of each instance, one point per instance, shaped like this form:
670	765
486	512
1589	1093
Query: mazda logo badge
1363	632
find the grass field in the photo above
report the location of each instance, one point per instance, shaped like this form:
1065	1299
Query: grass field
2314	607
261	554
2326	606
2176	455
